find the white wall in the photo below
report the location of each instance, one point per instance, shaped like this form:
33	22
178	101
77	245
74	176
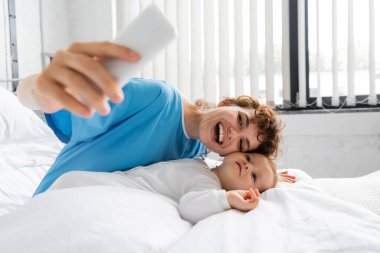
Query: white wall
63	22
332	144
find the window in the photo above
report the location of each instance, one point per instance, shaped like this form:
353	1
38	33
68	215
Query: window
344	64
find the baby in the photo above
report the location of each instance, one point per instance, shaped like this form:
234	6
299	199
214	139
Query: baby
198	190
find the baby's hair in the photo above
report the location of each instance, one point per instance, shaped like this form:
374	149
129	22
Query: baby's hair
266	118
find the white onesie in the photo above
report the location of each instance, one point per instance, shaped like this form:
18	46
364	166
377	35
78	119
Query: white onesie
189	182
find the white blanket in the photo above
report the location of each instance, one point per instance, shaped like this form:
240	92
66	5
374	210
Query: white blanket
292	218
296	218
363	191
99	219
27	149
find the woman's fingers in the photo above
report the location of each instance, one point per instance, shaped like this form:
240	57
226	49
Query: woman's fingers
285	177
91	70
56	91
82	89
104	50
78	80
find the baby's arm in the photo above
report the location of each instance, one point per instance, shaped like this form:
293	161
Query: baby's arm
197	205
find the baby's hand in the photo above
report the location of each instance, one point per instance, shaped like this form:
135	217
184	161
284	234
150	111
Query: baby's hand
243	200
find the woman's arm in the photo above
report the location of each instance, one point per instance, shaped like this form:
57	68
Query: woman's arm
25	93
76	75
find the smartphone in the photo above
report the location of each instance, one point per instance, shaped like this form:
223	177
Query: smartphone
148	34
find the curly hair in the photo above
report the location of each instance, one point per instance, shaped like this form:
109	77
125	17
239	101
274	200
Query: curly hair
268	123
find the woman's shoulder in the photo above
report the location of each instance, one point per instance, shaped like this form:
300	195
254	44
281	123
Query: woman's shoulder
146	92
150	85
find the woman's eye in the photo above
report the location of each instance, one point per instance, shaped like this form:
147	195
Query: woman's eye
240	120
240	145
248	158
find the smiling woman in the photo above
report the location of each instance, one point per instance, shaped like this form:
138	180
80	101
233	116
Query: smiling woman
145	122
241	124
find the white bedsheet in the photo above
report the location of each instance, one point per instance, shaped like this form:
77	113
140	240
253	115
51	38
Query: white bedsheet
27	149
295	218
93	219
292	218
363	191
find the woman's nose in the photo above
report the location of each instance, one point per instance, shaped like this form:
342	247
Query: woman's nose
232	134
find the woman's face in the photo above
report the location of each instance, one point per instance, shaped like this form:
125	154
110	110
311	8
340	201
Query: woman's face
228	129
241	171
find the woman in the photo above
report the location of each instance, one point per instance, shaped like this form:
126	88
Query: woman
153	123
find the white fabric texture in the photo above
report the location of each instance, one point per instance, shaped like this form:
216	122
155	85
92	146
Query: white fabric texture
188	182
363	191
28	148
93	219
291	218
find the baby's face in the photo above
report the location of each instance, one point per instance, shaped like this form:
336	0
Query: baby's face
241	171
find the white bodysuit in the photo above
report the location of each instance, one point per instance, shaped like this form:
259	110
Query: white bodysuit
189	182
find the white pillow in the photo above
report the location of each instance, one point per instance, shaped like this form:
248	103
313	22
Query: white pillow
93	219
17	121
28	148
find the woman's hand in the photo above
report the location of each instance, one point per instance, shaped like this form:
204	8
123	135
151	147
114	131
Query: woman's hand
76	81
285	177
243	200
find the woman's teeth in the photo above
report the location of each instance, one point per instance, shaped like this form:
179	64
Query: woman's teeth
220	133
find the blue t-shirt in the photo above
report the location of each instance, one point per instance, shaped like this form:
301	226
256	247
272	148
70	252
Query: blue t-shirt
147	127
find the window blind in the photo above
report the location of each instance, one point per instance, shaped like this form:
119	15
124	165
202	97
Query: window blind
214	55
352	74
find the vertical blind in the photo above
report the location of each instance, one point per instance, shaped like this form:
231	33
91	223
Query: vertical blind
351	52
208	60
229	48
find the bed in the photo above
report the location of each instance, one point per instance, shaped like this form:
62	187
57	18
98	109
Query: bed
312	215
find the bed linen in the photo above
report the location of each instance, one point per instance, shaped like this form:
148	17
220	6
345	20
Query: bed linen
27	149
290	218
93	219
363	191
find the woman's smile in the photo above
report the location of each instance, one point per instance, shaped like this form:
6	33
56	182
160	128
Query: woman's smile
219	133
